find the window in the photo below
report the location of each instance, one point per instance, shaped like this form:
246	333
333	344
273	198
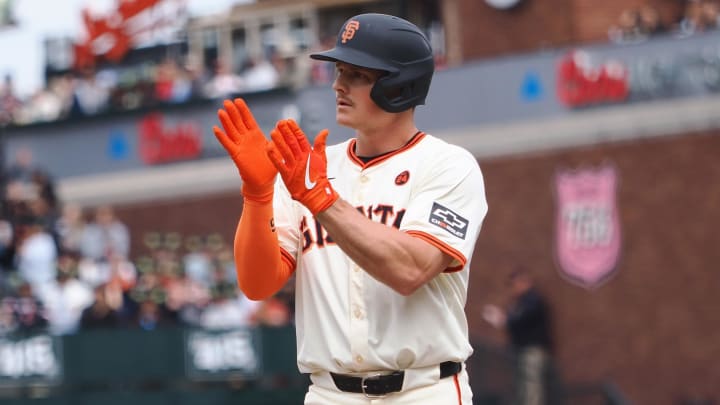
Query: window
239	49
299	32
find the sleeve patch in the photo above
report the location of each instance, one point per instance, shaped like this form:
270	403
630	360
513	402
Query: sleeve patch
448	220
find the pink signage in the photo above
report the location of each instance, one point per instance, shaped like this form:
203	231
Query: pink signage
587	234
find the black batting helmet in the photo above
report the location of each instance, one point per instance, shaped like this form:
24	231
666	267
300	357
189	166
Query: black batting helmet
391	44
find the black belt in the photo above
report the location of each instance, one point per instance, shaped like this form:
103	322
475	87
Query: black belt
379	385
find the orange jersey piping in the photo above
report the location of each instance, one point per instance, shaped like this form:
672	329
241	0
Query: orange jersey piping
444	247
355	159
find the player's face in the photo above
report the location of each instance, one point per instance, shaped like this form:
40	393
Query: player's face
353	106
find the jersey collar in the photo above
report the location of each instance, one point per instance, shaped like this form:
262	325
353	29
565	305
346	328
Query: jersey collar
385	156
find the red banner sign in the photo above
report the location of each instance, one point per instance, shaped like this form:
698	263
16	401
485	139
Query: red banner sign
161	144
110	37
580	84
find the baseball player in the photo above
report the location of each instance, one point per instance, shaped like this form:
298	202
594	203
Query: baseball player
378	230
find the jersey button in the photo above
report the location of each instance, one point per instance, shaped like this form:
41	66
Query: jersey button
364	179
358	314
359	359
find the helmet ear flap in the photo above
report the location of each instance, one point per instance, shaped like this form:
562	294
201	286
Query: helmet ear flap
395	93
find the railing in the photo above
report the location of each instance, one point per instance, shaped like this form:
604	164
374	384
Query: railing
177	366
170	366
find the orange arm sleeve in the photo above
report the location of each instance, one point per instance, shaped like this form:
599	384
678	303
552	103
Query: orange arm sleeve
262	268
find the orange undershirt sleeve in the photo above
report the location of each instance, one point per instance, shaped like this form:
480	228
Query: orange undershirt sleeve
262	270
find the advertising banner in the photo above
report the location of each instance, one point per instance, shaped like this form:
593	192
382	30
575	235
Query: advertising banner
30	360
212	355
587	236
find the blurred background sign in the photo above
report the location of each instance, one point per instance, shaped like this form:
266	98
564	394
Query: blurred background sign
214	355
31	359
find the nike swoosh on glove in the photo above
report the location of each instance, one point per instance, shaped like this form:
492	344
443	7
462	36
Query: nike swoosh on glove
246	144
302	168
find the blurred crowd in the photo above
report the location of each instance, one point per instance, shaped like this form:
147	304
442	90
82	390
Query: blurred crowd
65	268
94	91
640	23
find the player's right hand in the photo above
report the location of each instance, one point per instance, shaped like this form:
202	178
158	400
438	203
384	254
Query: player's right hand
246	144
303	168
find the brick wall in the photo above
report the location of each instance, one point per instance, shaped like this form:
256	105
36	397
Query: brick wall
650	328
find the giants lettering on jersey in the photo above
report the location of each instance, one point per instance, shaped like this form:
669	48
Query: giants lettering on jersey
315	234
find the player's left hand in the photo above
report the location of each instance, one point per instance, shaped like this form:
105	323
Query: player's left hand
245	143
302	168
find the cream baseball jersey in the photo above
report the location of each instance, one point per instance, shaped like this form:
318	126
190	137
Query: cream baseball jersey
346	320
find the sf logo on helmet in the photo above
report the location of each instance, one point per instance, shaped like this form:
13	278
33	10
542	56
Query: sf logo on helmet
349	31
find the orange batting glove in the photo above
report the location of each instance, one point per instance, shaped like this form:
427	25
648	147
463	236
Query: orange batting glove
302	168
246	145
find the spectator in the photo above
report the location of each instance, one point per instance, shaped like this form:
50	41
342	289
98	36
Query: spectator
18	195
293	71
7	249
649	21
628	28
710	14
94	272
527	323
228	308
693	20
62	87
10	104
22	168
100	314
123	278
151	313
164	79
48	104
91	95
224	83
66	297
260	75
225	265
22	312
194	74
106	236
36	253
187	298
45	187
44	212
148	302
197	261
43	106
70	226
122	272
